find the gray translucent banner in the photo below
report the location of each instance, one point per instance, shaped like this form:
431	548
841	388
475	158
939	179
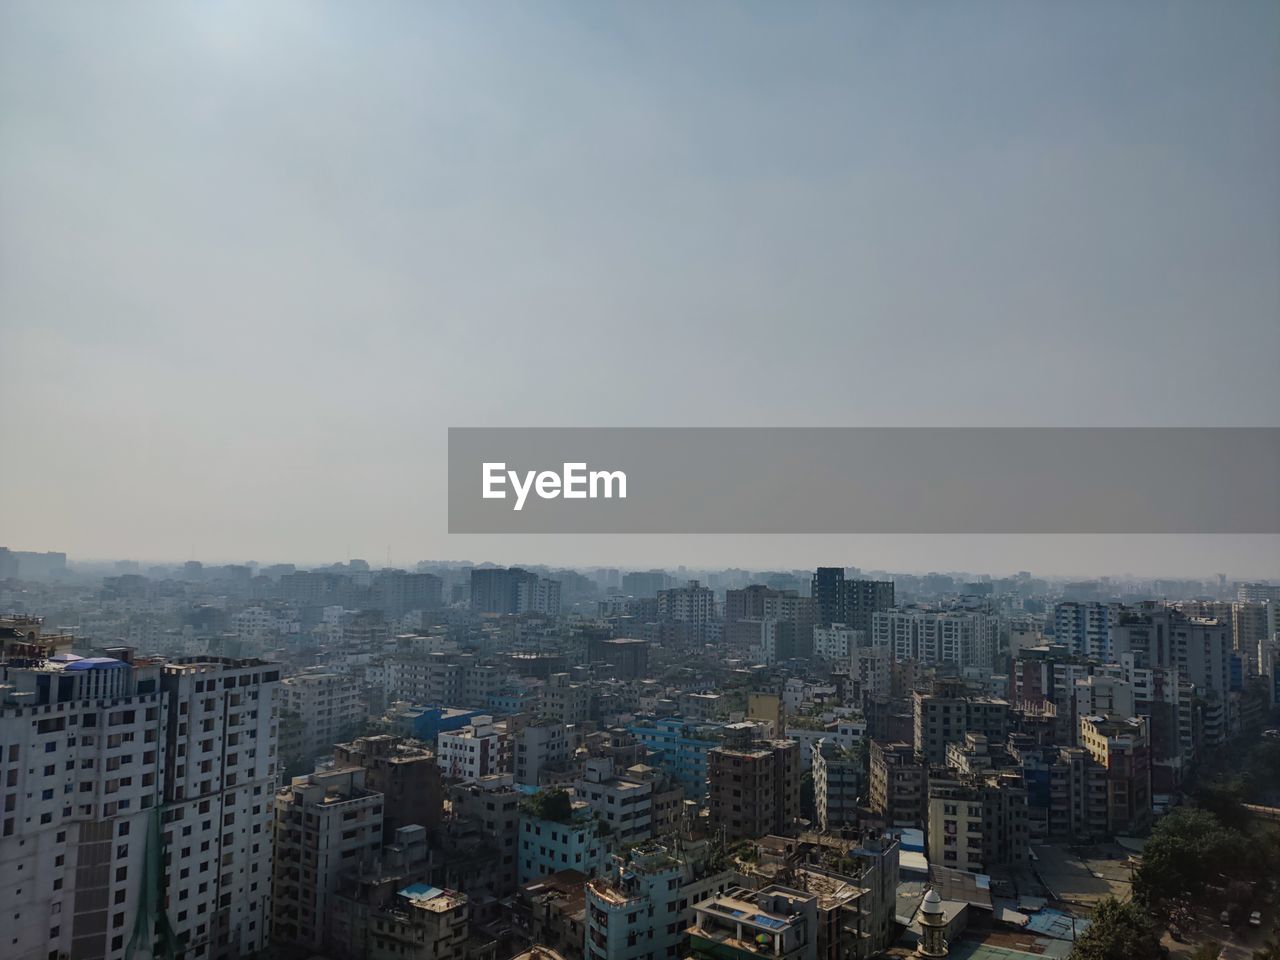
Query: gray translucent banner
867	480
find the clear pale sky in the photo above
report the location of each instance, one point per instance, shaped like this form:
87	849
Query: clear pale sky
256	258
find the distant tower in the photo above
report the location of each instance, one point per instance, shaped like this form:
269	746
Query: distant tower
932	926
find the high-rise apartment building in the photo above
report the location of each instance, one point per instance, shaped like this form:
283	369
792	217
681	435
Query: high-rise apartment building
513	590
850	602
1122	747
837	642
1250	624
564	836
219	781
1258	593
863	599
977	822
82	745
405	772
754	787
641	907
396	592
946	714
321	708
136	805
325	824
837	783
748	603
827	591
635	803
898	781
693	603
964	638
1198	649
538	748
1085	627
644	583
472	751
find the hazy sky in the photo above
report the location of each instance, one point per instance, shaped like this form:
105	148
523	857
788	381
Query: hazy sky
256	258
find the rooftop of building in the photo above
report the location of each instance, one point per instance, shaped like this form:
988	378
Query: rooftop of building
741	909
608	890
539	953
831	891
201	663
567	887
435	899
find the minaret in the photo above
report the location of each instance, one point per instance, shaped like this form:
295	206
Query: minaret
932	926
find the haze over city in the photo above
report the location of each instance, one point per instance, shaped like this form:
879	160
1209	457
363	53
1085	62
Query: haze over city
256	258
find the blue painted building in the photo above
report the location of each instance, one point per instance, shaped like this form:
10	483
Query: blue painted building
679	746
427	723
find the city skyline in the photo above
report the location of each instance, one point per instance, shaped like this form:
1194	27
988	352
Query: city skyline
1228	548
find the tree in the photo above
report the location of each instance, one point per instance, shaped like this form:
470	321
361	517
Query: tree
1262	771
1225	800
1188	850
551	805
1269	950
1119	931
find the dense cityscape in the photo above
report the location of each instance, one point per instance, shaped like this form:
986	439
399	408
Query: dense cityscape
578	480
474	762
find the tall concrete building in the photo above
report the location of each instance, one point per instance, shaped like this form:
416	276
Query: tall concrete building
636	803
396	592
326	824
81	754
512	591
946	714
1258	593
754	787
136	805
1122	747
1250	624
472	751
492	803
850	602
322	709
566	835
405	772
220	776
1085	627
749	602
898	782
838	642
644	583
827	591
1198	649
838	781
420	922
641	907
863	599
538	748
963	638
693	603
977	822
